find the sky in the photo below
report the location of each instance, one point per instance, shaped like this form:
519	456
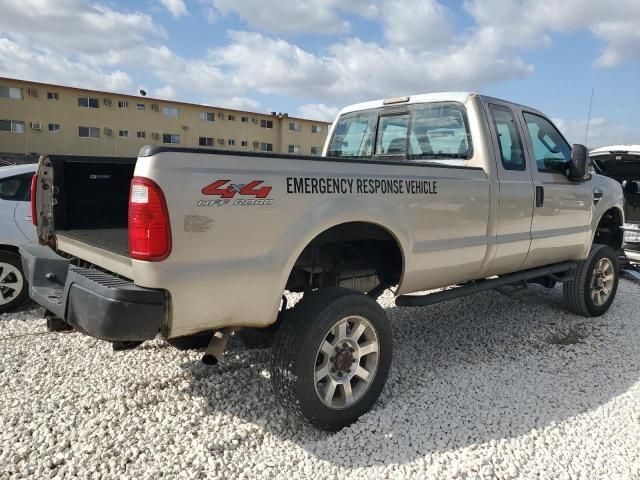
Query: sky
311	57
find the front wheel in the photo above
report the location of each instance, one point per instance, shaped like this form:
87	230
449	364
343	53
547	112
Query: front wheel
331	357
591	291
14	289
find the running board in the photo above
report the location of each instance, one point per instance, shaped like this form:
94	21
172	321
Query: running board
476	286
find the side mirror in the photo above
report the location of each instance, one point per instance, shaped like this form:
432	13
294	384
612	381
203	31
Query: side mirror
579	163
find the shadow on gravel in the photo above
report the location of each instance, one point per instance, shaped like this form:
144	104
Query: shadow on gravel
466	372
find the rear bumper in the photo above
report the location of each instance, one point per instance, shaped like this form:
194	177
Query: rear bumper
93	302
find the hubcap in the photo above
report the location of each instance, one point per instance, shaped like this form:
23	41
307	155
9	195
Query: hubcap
11	283
346	362
602	281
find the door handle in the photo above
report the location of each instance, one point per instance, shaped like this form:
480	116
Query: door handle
539	195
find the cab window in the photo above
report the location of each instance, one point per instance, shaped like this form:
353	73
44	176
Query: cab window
439	130
353	135
550	149
392	134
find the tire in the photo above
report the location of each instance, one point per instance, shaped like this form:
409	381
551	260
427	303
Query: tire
14	289
584	294
301	371
192	342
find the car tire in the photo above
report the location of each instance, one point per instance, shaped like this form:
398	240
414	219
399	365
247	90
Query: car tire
331	357
14	289
594	285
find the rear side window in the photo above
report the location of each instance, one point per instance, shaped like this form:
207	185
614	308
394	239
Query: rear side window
439	130
353	135
17	188
509	139
552	152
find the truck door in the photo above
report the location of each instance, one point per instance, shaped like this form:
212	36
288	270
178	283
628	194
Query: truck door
515	209
563	209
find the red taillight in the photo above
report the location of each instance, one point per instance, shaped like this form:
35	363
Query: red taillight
149	228
34	214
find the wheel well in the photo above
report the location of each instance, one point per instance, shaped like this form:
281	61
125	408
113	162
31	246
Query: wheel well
355	255
608	231
9	248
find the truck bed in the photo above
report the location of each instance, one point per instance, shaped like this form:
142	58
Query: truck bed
115	240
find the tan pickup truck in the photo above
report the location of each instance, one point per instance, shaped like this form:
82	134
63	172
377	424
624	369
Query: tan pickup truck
411	194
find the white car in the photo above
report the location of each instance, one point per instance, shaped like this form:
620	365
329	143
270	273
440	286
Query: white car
15	229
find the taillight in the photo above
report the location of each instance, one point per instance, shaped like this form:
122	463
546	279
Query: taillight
149	228
34	214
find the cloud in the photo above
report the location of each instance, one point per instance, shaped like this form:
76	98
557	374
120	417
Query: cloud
529	23
177	8
417	24
601	132
167	92
318	111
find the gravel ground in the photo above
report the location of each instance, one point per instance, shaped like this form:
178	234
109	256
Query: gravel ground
482	387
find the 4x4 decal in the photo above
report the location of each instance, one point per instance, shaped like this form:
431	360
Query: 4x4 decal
248	189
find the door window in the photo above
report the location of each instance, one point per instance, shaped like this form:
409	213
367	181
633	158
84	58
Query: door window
392	134
551	150
509	139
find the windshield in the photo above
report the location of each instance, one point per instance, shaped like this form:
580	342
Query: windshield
420	131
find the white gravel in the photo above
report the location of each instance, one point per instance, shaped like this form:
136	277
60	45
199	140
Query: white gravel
482	387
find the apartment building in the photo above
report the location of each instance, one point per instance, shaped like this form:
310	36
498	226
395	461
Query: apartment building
40	118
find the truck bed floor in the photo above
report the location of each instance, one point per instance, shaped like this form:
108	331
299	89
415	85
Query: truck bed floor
115	240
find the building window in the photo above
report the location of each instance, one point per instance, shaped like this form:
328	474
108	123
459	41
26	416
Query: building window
12	126
140	106
244	119
11	92
266	123
171	112
54	127
205	142
89	132
316	150
231	142
316	129
88	102
53	96
294	126
266	147
221	115
141	134
170	138
232	118
123	104
244	143
294	149
123	133
207	116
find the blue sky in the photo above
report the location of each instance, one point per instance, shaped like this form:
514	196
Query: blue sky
310	57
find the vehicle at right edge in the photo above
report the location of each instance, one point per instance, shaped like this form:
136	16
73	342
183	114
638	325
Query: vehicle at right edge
622	163
411	194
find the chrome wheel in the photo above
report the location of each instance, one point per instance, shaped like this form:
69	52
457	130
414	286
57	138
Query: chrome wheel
11	283
346	362
602	280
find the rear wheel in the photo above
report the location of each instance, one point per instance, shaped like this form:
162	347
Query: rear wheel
591	291
14	289
331	357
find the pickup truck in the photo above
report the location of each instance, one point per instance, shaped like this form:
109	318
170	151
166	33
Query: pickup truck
452	191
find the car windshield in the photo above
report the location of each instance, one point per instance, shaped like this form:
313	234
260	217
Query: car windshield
420	131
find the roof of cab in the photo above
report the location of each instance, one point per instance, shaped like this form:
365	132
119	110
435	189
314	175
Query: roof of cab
460	97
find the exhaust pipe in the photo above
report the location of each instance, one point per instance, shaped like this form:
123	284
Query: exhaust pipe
217	346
